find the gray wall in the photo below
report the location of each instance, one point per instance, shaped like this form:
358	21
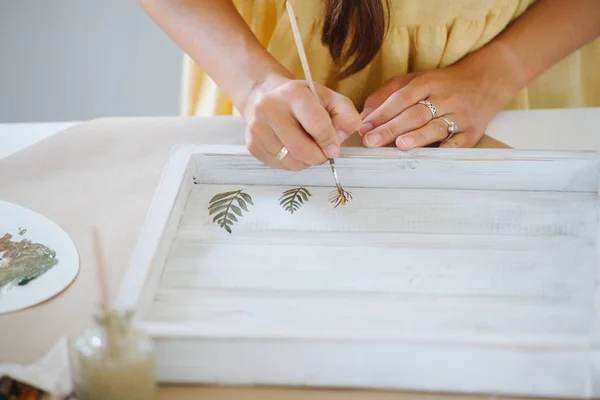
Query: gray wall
73	60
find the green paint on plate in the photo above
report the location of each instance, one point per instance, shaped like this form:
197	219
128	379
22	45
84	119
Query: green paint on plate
23	261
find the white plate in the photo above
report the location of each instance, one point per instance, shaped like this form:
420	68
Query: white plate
39	230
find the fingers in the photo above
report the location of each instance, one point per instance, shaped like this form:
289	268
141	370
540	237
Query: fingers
259	151
342	112
311	128
392	114
412	118
462	140
292	135
459	140
437	131
434	131
377	98
328	122
465	135
292	114
263	144
316	121
395	104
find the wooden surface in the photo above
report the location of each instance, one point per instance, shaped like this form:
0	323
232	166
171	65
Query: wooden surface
253	393
468	252
551	174
104	173
484	256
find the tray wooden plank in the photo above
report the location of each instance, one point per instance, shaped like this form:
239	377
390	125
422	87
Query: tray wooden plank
303	287
420	168
424	211
416	267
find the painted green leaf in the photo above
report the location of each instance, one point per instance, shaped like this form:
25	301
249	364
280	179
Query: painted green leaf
223	209
290	191
219	215
292	199
218	209
219	203
286	200
242	203
305	195
236	210
246	197
221	196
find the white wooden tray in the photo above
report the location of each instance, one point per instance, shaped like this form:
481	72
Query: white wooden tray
451	270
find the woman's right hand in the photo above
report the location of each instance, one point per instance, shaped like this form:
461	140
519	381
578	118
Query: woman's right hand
279	111
283	112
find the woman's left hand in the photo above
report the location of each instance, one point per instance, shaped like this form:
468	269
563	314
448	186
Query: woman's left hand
393	114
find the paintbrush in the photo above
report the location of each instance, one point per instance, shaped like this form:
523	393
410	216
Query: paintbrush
107	311
340	196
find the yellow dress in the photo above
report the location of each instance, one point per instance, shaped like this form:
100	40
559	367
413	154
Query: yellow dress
423	35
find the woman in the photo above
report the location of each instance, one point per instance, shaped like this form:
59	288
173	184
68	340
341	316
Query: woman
420	71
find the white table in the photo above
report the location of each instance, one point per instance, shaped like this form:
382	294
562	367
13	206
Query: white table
16	137
104	174
560	129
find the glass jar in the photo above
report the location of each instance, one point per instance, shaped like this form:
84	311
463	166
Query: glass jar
113	361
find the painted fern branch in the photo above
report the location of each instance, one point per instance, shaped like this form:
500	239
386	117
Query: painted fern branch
291	200
224	210
339	196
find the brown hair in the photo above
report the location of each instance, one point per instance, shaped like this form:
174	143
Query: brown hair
365	20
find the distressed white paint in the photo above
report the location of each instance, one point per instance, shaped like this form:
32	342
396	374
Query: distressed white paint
388	168
375	364
451	270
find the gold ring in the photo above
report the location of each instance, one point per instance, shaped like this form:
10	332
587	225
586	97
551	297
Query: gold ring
282	153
